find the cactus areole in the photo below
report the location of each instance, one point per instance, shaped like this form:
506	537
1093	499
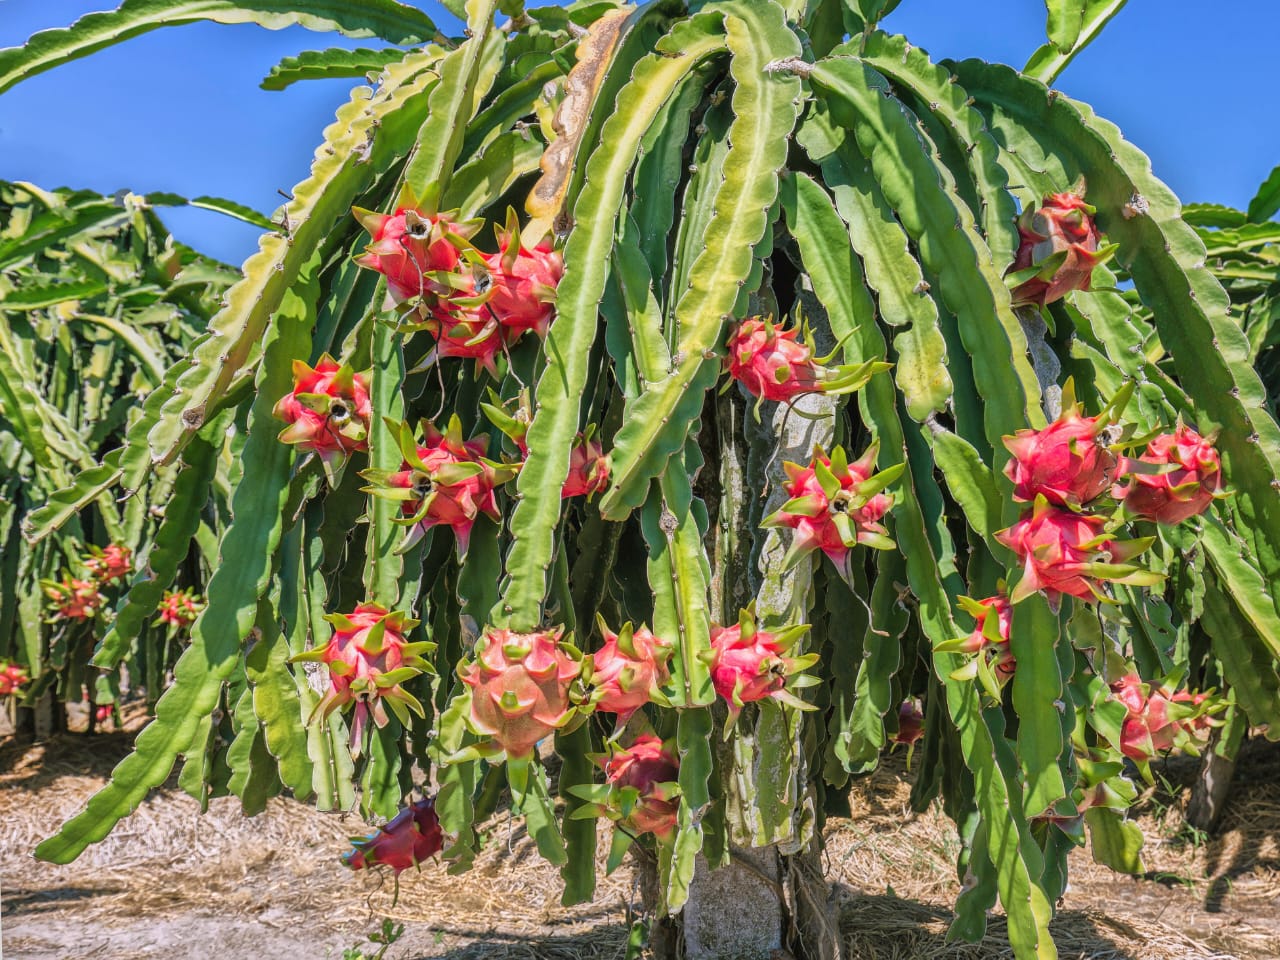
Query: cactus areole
645	417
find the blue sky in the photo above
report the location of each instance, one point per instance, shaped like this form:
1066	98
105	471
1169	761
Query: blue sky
180	110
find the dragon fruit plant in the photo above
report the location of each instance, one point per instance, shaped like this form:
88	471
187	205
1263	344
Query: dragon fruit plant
97	303
692	185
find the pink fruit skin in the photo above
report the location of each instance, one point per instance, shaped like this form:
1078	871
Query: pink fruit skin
466	331
354	668
523	297
316	432
12	677
520	685
978	640
1051	545
455	505
1062	223
819	532
1064	462
588	469
1147	731
407	261
910	723
1183	492
754	666
624	680
114	563
75	599
769	361
178	608
645	766
410	837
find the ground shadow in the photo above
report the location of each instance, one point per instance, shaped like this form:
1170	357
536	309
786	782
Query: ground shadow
20	900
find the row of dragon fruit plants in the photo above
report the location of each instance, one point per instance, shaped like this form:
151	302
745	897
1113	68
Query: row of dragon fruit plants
486	500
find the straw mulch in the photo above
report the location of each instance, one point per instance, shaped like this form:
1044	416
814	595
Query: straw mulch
171	883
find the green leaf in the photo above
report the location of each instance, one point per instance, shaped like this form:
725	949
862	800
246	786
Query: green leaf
1065	20
1116	843
1266	201
331	64
241	577
387	19
1050	60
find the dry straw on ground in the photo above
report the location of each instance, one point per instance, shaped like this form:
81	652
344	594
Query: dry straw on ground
172	883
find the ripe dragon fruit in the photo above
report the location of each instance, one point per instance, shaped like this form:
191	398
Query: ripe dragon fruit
1064	462
12	677
368	659
994	664
628	670
113	563
327	411
445	482
179	608
524	687
464	325
410	837
415	249
1064	552
1158	721
522	282
910	723
774	365
73	599
588	468
643	790
589	465
1060	246
1189	478
104	713
749	664
835	505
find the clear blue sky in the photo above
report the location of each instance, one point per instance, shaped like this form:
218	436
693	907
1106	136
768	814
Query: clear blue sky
179	109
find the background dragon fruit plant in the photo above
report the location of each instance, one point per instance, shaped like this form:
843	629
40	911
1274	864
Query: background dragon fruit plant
788	560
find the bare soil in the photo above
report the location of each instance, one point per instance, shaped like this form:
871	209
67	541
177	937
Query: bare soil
171	883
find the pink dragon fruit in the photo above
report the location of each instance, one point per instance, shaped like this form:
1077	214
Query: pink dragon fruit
628	670
1060	247
989	639
642	786
327	411
1064	552
910	723
445	482
113	563
1189	478
73	599
835	505
410	837
1158	721
749	664
588	468
524	687
369	658
522	283
103	713
179	608
1064	462
774	365
12	677
413	249
464	325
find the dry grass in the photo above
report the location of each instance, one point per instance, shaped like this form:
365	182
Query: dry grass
172	883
